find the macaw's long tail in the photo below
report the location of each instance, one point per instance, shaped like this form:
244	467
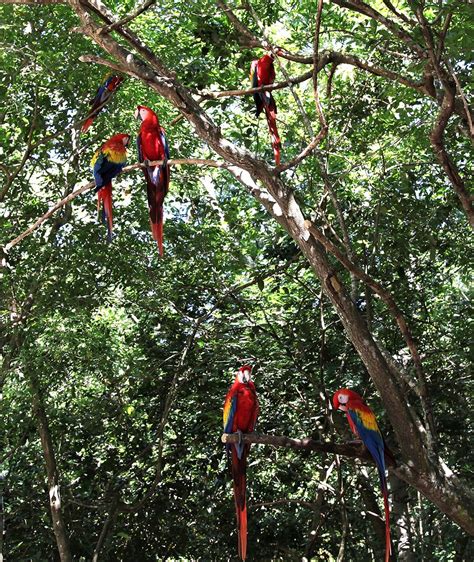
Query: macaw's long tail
383	484
87	123
156	224
157	187
239	469
104	196
271	111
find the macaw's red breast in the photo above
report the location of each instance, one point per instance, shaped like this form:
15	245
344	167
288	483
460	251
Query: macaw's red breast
245	415
265	70
152	145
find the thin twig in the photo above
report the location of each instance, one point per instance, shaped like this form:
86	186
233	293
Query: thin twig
142	8
317	102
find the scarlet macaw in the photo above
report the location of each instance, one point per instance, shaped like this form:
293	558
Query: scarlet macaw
102	96
152	146
364	425
106	163
240	415
262	73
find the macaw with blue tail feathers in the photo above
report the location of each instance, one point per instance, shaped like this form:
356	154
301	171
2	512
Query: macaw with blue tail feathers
240	416
106	163
363	424
104	93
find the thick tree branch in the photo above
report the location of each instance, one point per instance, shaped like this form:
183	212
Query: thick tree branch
351	450
436	138
394	28
394	311
59	526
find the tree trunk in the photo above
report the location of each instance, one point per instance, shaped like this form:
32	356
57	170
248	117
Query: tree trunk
59	526
401	519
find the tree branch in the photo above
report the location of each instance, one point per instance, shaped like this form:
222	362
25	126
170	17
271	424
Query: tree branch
251	40
351	450
270	87
319	108
398	31
436	138
384	295
130	16
90	185
281	203
33	2
304	153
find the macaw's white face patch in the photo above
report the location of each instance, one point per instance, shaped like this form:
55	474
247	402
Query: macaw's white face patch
244	375
343	399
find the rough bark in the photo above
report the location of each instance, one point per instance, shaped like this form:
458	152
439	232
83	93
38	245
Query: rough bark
59	526
400	516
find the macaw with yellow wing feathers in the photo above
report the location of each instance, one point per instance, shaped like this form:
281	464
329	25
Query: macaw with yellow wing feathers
106	163
364	425
240	416
101	98
262	73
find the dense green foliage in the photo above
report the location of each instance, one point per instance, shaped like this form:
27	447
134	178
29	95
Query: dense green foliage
132	355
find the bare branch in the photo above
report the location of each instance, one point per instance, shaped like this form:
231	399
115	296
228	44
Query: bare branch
319	108
397	30
275	86
352	450
400	15
33	2
379	290
442	35
90	185
142	8
436	138
463	98
251	40
303	154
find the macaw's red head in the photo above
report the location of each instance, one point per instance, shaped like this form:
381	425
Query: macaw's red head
342	397
146	114
243	374
120	138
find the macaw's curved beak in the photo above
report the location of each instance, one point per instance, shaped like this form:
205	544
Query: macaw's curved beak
137	114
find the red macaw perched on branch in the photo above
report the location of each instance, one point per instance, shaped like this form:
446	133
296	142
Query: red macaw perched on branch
262	73
364	425
106	163
104	93
152	146
240	415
